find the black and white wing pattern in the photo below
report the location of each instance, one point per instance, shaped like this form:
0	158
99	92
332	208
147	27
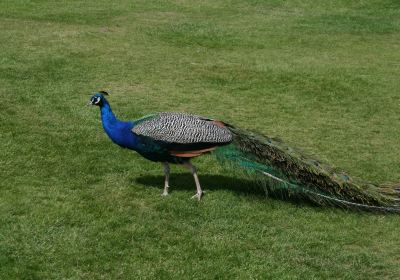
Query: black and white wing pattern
182	128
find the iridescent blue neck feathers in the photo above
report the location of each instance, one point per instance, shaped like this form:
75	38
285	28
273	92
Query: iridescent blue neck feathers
118	131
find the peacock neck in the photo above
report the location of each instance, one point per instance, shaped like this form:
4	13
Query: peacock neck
118	131
107	116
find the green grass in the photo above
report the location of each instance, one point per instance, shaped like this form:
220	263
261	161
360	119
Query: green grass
322	75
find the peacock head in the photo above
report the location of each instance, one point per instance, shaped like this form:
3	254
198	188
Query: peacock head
98	98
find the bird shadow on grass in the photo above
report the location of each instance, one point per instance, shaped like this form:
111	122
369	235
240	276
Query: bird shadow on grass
239	186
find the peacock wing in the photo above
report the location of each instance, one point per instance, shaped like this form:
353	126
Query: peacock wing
182	128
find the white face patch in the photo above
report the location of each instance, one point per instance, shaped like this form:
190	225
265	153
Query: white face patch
97	100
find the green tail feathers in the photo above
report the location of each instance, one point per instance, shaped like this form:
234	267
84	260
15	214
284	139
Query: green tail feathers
278	167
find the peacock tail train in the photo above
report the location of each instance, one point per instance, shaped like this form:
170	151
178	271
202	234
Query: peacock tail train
278	167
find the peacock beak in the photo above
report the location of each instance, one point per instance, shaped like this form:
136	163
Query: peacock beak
89	103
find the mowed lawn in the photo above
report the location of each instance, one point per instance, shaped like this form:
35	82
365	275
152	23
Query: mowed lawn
323	76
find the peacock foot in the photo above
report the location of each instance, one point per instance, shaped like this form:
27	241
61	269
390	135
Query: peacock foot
165	192
198	195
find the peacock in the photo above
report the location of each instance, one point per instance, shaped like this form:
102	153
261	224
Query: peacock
176	138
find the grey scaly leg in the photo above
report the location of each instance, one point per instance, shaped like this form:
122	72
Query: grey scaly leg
192	169
166	182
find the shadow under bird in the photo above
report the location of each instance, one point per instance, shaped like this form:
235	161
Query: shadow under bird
176	138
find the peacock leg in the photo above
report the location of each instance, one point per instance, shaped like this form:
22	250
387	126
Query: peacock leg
193	170
166	182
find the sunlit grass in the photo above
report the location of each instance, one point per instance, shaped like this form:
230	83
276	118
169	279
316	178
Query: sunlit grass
321	75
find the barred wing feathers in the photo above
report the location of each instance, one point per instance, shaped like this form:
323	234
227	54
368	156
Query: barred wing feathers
182	128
